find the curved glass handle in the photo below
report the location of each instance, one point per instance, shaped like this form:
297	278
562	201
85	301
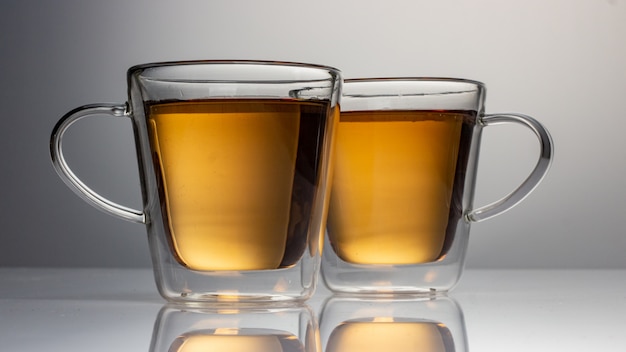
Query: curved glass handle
70	179
543	164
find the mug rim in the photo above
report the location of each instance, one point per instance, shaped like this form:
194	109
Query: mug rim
415	79
410	93
274	63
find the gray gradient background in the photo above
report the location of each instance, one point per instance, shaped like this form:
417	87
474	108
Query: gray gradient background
562	61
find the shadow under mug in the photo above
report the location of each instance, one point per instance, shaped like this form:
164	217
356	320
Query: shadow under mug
233	162
405	162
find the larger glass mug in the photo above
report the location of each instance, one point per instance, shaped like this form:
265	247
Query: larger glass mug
234	163
402	194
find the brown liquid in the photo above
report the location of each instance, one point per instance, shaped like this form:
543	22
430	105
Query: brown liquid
237	179
397	185
384	334
237	340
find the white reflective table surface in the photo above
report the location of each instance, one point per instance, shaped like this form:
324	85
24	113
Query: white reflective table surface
490	310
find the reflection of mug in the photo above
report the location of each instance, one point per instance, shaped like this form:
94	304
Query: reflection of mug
429	324
233	164
377	334
227	340
404	173
262	329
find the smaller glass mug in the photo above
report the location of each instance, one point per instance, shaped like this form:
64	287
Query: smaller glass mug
233	162
401	203
395	323
259	328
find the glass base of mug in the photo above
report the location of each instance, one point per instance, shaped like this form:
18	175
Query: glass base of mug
428	278
179	284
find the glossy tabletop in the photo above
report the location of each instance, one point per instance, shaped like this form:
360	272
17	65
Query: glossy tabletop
490	310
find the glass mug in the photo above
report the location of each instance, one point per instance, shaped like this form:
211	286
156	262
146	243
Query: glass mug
234	163
401	203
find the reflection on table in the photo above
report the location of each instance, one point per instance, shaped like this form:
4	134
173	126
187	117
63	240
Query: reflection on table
263	328
397	323
502	310
347	323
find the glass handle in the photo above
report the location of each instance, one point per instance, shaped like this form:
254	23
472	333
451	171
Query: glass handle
546	150
68	176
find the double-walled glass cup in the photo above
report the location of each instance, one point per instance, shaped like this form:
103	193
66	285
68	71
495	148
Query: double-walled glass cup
234	164
402	194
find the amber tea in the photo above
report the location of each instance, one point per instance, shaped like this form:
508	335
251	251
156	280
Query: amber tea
236	179
398	184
